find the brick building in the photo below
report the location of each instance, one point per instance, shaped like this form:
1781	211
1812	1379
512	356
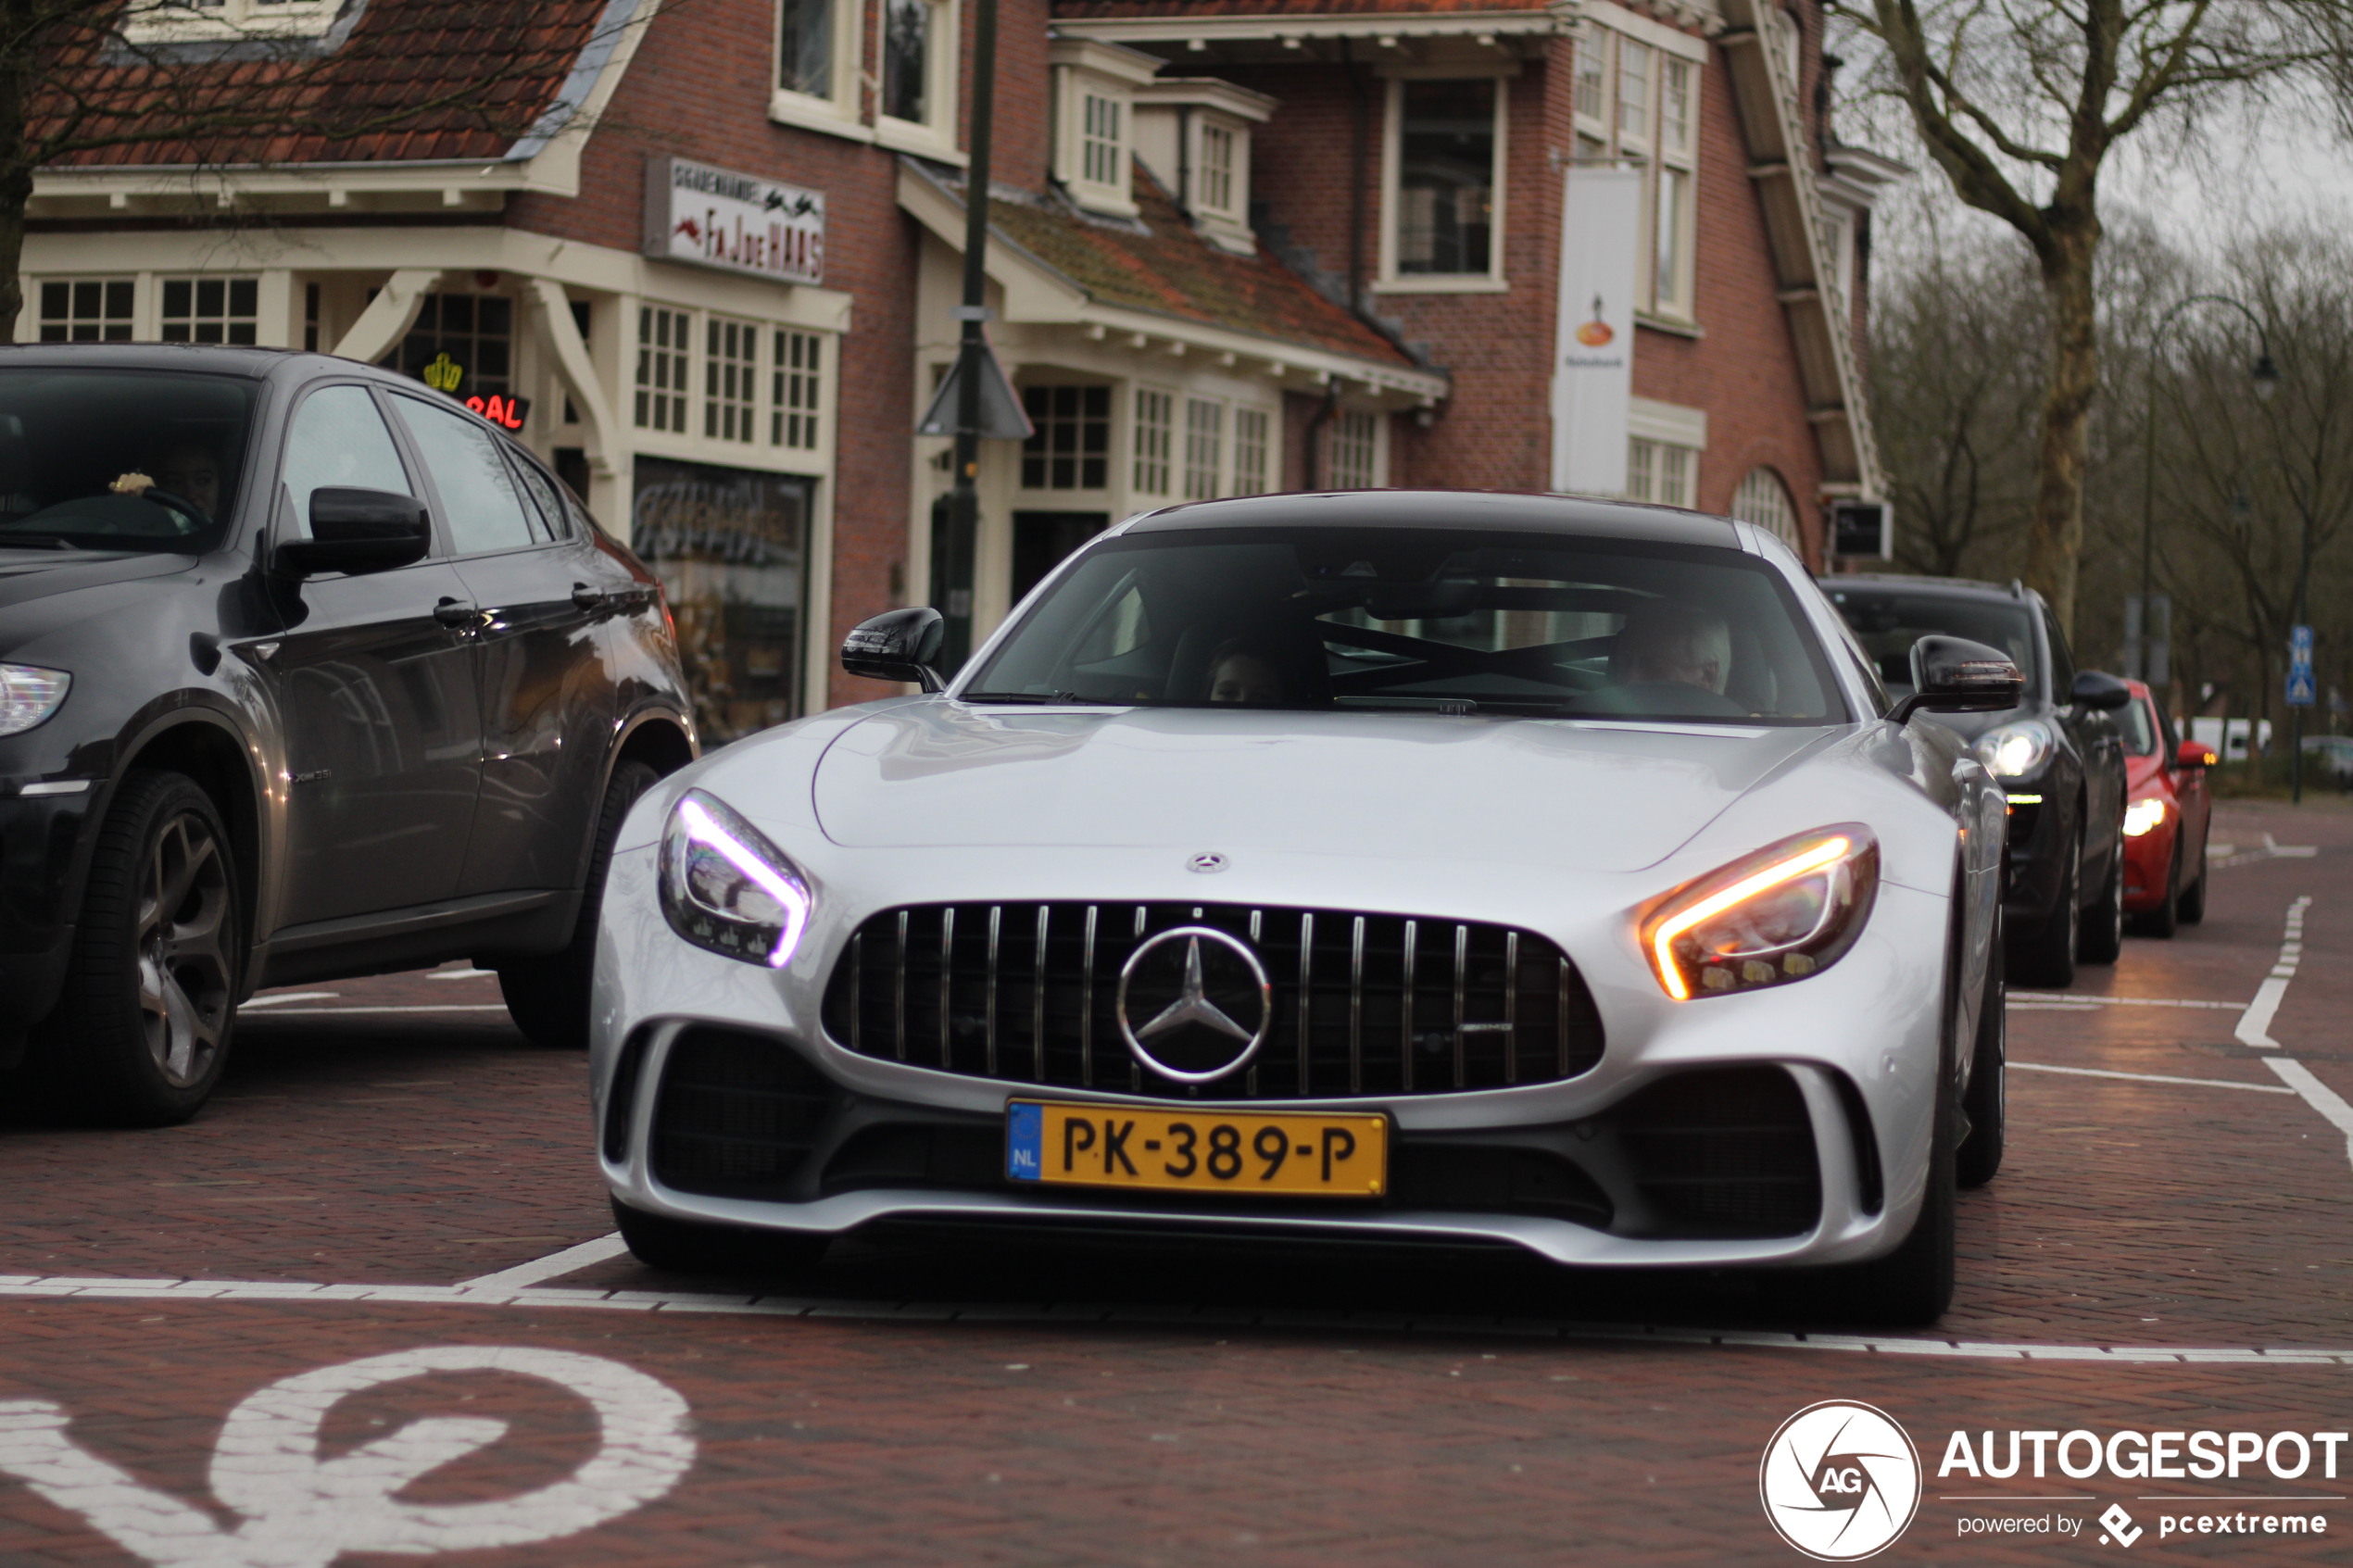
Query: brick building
1237	246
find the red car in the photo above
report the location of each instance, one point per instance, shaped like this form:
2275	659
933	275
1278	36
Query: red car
2166	815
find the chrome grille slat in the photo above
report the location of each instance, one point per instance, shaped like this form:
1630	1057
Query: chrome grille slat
1372	975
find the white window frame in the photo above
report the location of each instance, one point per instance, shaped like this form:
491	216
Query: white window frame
1269	446
1493	279
836	111
1764	499
1163	455
785	415
1669	301
184	22
1084	70
1342	425
935	134
1204	427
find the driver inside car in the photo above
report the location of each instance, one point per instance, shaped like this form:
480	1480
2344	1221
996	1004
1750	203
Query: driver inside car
1240	672
1672	657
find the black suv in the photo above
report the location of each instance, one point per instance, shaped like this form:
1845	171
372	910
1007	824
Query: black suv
2058	754
305	671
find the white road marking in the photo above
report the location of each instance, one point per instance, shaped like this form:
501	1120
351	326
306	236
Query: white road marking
2317	1094
2290	851
2231	855
2148	1077
463	974
288	996
302	1511
2073	1000
445	1006
2255	1023
555	1264
550	1297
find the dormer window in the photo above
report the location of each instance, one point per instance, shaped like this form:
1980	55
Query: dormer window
1094	89
1194	135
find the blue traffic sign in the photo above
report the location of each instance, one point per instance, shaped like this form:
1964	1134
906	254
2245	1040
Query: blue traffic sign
2299	644
2299	667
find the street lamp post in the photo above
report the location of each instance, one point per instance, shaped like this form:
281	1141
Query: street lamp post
2266	376
963	504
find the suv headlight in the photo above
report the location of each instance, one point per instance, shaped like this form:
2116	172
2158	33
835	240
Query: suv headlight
2016	750
726	888
28	695
1781	914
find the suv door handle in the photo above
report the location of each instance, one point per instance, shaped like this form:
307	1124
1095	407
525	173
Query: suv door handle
585	597
455	614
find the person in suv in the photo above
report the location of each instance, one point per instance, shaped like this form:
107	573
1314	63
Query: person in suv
306	671
2059	755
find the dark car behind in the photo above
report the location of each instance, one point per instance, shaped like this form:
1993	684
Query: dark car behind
2057	755
305	671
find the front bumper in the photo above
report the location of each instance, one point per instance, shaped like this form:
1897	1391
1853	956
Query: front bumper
40	840
2041	835
1850	1054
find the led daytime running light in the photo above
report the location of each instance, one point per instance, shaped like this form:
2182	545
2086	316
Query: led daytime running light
1828	852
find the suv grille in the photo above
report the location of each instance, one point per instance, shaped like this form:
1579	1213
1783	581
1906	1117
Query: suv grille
1364	1004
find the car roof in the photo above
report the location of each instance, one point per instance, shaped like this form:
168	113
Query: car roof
1467	509
216	358
1945	587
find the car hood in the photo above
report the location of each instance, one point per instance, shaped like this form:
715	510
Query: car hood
26	575
1565	794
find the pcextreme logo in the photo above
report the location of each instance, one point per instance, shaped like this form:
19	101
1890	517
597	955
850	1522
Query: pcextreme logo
1840	1481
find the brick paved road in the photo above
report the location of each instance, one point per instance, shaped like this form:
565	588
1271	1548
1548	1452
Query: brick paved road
924	1399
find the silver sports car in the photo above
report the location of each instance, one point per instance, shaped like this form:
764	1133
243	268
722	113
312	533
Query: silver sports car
1432	867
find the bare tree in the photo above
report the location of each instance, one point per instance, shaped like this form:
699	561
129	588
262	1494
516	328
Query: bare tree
2020	103
105	80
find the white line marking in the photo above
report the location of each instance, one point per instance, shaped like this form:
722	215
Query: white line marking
2150	1077
2289	851
2255	1023
448	1006
2073	1000
2317	1094
549	1297
289	996
463	974
570	1260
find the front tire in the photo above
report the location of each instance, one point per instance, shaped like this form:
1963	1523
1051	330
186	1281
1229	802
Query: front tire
2166	918
2190	908
690	1246
141	1034
2049	957
547	995
1986	1101
2103	939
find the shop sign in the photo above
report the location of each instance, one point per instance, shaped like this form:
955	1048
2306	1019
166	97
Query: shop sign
445	376
738	222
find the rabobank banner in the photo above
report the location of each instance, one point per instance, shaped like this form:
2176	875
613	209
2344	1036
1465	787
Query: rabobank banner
1593	343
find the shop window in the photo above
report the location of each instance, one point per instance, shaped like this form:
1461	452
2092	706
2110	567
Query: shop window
1154	415
730	547
1070	445
210	309
1357	458
731	379
463	344
1661	472
1252	449
1204	446
86	309
798	378
662	347
1443	193
1764	500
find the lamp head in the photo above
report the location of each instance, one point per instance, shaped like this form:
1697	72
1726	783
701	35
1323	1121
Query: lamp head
2267	376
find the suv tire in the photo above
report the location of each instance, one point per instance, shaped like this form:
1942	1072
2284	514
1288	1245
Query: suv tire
141	1033
2048	957
547	995
2103	938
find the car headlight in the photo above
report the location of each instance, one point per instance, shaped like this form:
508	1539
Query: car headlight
1781	914
2014	750
2144	816
726	888
28	695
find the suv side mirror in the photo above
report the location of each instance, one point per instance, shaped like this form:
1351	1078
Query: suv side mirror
898	645
2092	689
358	531
1954	675
2194	754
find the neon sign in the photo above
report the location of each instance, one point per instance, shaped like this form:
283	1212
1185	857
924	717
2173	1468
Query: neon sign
507	413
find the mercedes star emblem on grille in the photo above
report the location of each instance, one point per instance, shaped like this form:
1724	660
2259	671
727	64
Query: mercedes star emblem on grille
1207	977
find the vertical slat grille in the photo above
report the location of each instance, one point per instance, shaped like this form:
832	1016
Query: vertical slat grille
1364	1004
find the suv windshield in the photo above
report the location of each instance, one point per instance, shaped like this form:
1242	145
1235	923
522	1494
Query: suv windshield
1430	619
109	460
1887	621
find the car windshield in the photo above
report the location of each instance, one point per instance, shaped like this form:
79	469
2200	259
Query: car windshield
2138	726
1440	620
118	460
1887	621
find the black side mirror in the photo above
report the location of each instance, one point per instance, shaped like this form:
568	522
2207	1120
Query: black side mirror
1954	675
358	531
2092	689
898	645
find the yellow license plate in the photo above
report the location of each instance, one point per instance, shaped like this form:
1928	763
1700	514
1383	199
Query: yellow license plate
1285	1155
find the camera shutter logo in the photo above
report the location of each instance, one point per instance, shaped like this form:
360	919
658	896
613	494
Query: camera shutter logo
1840	1481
